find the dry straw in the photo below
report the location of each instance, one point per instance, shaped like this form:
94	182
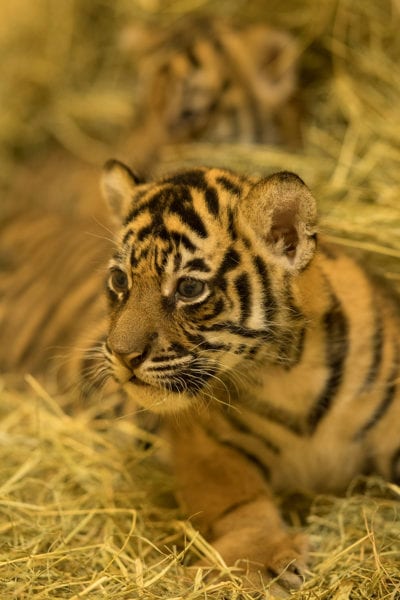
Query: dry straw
85	511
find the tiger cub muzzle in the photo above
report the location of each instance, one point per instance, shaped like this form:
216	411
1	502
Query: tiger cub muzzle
144	360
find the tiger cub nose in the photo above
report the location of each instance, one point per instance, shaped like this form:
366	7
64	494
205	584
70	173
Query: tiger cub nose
127	356
133	360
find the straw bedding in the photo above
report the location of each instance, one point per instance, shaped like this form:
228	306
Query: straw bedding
86	511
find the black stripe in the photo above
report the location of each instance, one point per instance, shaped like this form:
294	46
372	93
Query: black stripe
291	340
145	232
211	198
233	418
270	305
251	457
395	467
143	254
295	313
203	344
197	264
190	379
233	508
385	403
182	238
236	329
178	349
253	350
243	290
215	347
189	217
177	261
195	338
158	258
192	178
230	261
298	348
336	349
118	257
229	185
241	349
192	58
169	367
247	243
133	258
216	310
377	352
150	205
277	415
127	236
232	224
165	357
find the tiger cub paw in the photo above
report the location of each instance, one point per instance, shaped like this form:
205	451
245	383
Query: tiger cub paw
285	564
277	565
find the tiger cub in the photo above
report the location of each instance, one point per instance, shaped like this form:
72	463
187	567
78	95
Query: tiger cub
270	357
207	79
277	350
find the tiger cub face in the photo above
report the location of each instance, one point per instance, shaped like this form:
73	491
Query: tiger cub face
204	279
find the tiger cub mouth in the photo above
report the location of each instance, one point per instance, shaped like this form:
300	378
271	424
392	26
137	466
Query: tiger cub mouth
139	382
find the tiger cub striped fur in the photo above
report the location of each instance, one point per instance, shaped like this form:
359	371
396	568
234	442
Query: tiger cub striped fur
208	79
278	351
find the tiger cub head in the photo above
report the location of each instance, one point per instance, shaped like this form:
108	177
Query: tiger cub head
204	279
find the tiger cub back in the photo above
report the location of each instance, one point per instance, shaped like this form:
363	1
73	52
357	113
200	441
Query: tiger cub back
52	310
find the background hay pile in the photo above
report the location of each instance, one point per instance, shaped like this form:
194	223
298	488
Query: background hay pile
83	512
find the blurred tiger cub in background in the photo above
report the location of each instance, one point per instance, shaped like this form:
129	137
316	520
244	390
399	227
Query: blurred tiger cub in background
198	79
206	79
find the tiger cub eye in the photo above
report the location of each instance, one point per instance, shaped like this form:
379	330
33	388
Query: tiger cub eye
190	288
118	280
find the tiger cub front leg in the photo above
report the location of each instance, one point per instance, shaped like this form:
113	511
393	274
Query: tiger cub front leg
231	504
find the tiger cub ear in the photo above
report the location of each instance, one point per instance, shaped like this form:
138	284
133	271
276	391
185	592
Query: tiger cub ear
283	212
117	185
